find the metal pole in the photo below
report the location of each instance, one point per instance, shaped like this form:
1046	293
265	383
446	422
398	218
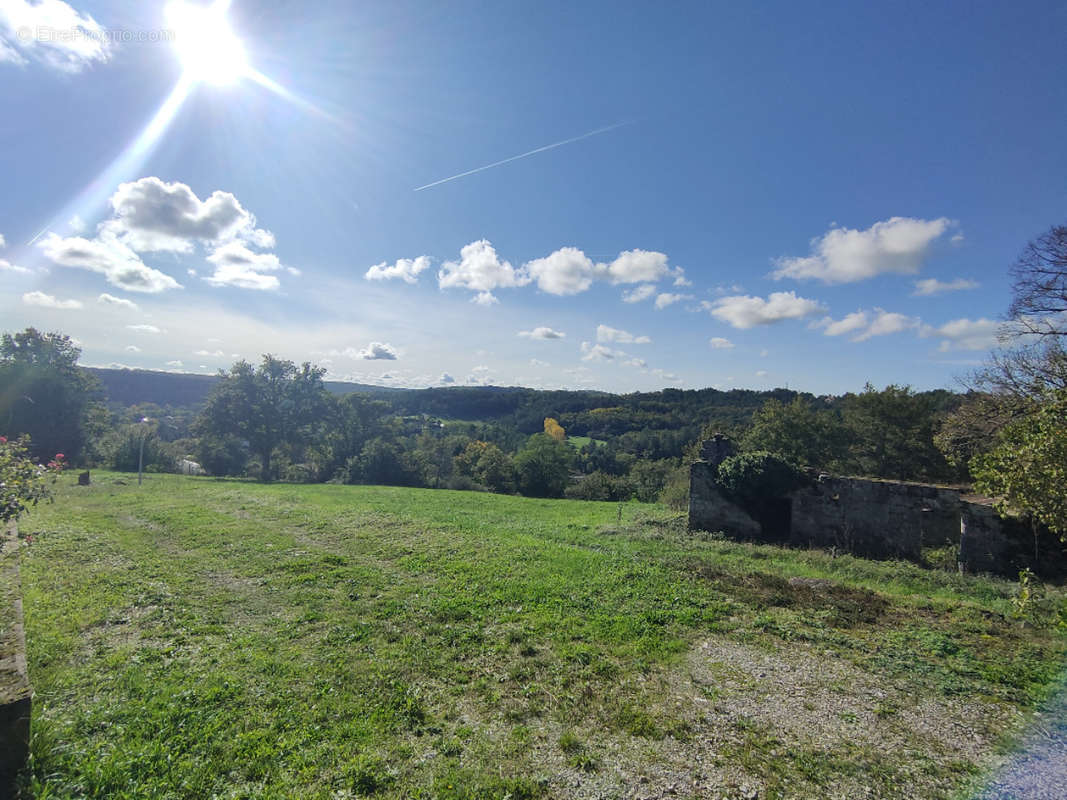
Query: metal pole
140	454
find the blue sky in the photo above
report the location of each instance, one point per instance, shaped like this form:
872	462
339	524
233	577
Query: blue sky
750	195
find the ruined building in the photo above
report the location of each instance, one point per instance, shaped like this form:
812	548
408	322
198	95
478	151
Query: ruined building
869	517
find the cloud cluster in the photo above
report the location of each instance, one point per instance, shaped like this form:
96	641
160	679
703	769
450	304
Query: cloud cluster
861	325
7	266
42	300
149	216
542	332
608	334
931	286
745	311
843	255
50	32
406	269
965	334
377	351
566	271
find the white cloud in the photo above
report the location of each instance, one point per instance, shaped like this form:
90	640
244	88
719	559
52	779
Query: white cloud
745	311
407	269
43	300
536	362
481	270
52	33
638	294
843	255
761	373
636	362
850	323
109	257
965	334
76	225
543	333
668	298
566	271
680	279
885	323
210	354
638	266
930	286
151	215
145	329
598	352
863	325
378	351
3	242
236	265
110	300
719	343
7	266
485	299
446	378
175	363
132	348
606	334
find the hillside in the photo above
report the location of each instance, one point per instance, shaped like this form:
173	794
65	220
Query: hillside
197	638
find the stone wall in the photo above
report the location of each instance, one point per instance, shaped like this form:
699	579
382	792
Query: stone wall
874	519
15	692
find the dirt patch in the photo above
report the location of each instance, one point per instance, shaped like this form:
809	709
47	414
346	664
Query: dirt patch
847	607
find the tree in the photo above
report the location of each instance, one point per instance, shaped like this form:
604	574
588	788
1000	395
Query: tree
487	464
553	429
1039	285
892	434
44	394
797	432
542	467
1027	469
275	404
1014	434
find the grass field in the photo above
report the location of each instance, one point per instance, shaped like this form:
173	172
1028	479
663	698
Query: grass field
195	638
578	442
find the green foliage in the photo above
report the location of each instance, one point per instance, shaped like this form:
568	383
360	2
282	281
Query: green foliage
601	486
542	467
798	433
1027	469
23	482
487	465
44	394
383	462
273	405
222	454
122	449
752	477
892	433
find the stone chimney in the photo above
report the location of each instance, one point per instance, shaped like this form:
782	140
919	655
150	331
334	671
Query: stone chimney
717	449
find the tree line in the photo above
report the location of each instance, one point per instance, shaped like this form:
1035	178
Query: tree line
276	420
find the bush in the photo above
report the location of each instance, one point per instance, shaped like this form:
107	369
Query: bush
22	482
756	476
601	486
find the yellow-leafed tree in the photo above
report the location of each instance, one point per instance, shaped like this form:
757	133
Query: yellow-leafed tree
553	429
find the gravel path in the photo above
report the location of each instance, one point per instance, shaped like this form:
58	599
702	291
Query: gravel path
1038	771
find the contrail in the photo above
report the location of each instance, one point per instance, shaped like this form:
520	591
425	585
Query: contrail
524	155
38	236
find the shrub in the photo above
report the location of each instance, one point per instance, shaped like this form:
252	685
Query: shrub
751	477
22	482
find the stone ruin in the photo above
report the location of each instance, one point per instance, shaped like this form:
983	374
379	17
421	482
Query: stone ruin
868	517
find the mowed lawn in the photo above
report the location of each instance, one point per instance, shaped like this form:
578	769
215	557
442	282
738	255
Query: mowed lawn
198	638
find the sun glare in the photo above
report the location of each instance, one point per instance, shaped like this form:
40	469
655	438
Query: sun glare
208	49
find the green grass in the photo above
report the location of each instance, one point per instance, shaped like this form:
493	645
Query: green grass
196	638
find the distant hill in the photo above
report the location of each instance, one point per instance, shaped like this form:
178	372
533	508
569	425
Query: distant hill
128	387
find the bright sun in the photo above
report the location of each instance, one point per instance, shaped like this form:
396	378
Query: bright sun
208	49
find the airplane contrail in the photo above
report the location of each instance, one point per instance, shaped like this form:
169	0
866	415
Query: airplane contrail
38	236
524	155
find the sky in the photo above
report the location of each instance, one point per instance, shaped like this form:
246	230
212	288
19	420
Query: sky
616	196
